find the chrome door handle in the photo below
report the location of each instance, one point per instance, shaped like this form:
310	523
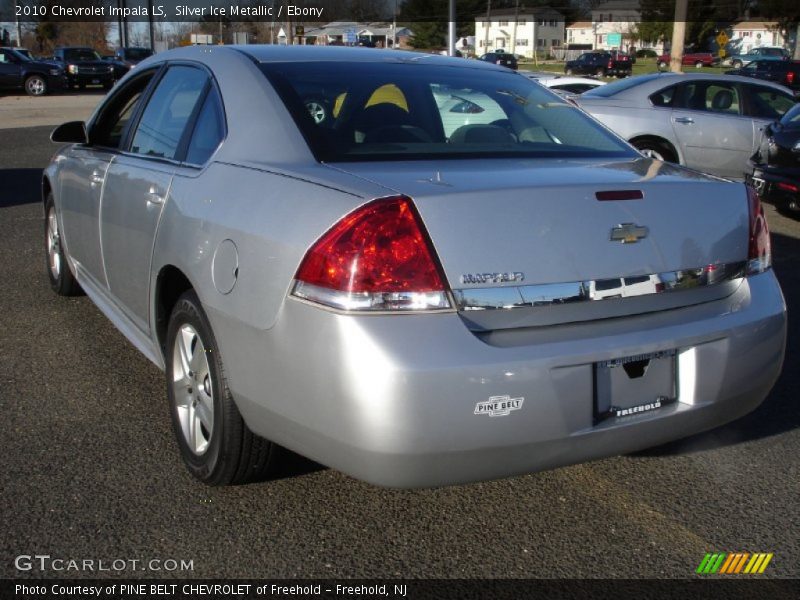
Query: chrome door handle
96	178
687	120
153	196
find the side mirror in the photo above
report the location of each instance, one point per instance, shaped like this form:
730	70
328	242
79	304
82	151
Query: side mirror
73	132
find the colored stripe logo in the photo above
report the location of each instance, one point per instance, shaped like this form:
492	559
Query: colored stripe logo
734	563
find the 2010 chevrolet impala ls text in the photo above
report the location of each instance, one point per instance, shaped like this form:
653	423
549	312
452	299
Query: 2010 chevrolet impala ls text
337	251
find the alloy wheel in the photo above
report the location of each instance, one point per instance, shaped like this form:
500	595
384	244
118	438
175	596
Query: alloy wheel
193	390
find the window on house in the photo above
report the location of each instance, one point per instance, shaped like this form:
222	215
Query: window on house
555	42
540	43
522	42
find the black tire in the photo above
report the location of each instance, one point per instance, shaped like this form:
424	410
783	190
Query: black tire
59	274
737	64
233	454
568	71
698	65
656	149
662	65
600	73
36	85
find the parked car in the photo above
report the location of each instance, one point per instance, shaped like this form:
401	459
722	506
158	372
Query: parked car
408	307
502	58
694	59
569	85
84	67
602	64
776	172
132	56
18	72
120	68
785	72
737	61
708	122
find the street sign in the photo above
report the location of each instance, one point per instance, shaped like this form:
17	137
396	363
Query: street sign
722	38
350	36
299	31
614	39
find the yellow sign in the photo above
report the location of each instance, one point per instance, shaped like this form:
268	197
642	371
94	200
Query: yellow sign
722	38
299	30
722	53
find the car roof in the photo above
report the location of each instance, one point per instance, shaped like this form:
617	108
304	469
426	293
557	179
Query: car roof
654	81
275	53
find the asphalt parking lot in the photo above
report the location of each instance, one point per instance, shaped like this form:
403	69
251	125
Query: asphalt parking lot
91	469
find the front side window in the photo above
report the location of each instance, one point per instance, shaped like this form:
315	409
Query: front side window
414	111
110	126
168	111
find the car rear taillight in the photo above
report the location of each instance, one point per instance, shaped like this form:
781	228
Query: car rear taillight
377	258
610	64
790	77
759	256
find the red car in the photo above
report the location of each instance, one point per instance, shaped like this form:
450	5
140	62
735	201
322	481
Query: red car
698	59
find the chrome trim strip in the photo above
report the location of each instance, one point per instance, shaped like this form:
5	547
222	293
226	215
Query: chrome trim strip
630	286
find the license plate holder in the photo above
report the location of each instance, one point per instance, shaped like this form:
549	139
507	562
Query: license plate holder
633	385
95	81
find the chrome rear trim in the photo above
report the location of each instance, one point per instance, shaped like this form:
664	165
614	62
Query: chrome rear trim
630	286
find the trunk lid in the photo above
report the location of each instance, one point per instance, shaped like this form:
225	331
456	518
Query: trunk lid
532	235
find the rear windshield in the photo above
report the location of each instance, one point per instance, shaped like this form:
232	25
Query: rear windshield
81	54
401	111
606	91
792	118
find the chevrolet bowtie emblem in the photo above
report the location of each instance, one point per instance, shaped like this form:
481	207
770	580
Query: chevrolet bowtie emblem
628	233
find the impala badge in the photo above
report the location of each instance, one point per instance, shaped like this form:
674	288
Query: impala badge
628	233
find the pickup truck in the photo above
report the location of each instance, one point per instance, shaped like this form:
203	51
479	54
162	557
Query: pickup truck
601	64
696	59
738	61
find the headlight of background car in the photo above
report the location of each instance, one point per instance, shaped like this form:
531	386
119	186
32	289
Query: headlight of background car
110	69
72	69
55	72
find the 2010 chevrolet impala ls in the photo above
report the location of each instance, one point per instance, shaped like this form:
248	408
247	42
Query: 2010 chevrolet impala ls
415	269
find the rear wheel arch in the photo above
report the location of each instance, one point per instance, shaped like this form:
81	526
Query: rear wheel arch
171	284
667	150
47	189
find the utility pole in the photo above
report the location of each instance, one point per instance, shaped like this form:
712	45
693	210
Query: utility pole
514	30
19	27
451	29
797	43
488	24
678	35
150	23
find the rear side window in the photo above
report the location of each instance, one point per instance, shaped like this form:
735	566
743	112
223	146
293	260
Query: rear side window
170	108
664	97
109	128
766	103
208	131
711	96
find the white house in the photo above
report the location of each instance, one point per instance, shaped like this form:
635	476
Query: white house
520	31
614	25
752	34
580	33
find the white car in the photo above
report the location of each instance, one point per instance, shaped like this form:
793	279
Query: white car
561	83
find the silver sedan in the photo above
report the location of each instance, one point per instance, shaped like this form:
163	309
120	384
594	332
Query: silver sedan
712	123
401	290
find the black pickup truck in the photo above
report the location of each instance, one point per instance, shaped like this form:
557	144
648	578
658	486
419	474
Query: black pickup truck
36	77
84	67
602	64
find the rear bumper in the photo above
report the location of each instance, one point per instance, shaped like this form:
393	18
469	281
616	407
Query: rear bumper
392	399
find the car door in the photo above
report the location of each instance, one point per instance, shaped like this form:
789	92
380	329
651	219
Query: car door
764	105
710	125
138	184
10	70
83	173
